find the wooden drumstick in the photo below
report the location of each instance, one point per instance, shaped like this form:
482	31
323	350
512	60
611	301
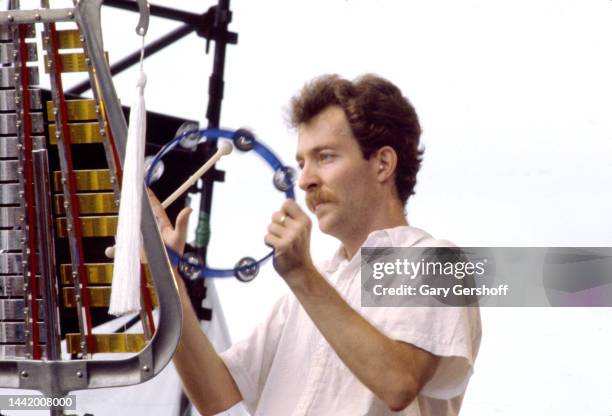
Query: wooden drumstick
225	148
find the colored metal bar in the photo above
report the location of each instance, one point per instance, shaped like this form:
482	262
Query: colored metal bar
80	133
86	180
110	343
97	273
71	62
90	227
98	203
78	110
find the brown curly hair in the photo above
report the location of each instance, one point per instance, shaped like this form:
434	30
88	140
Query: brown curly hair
378	113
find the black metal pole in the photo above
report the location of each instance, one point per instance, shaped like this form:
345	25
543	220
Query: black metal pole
221	37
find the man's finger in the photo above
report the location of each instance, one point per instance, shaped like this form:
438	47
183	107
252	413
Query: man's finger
182	220
272	241
293	210
278	216
158	211
275	229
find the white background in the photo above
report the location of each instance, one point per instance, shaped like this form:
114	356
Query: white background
515	100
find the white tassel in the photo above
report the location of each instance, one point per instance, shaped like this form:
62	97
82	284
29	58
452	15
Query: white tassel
125	291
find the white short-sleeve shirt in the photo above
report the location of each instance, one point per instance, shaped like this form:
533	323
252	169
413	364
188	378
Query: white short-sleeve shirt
286	367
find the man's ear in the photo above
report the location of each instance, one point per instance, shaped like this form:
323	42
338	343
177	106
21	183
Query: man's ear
386	163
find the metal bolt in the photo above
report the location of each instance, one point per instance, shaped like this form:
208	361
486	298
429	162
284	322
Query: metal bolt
145	368
79	374
102	132
68	228
71	15
24	374
77	298
37	17
66	204
10	18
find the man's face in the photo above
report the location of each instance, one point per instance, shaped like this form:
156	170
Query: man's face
339	183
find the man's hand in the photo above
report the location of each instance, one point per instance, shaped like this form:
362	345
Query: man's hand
289	235
174	237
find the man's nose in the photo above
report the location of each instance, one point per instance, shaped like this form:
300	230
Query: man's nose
309	179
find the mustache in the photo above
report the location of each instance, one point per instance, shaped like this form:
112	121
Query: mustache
318	196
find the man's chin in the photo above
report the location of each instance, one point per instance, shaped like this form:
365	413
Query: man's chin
325	225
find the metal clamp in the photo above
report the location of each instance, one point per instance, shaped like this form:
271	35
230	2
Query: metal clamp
143	21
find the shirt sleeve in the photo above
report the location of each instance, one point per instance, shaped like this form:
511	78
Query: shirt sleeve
452	333
249	360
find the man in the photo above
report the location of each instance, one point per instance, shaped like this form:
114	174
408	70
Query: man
320	352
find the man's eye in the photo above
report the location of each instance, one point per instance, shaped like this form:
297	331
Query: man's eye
325	157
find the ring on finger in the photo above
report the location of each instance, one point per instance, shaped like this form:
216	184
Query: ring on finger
283	219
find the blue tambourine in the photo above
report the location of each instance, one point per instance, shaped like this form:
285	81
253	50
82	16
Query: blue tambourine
191	265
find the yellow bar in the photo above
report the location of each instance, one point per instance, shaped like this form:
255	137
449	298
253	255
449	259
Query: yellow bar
110	343
99	297
78	110
87	180
102	203
91	226
97	273
80	133
72	62
67	39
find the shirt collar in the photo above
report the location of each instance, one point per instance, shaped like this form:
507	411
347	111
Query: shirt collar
402	236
